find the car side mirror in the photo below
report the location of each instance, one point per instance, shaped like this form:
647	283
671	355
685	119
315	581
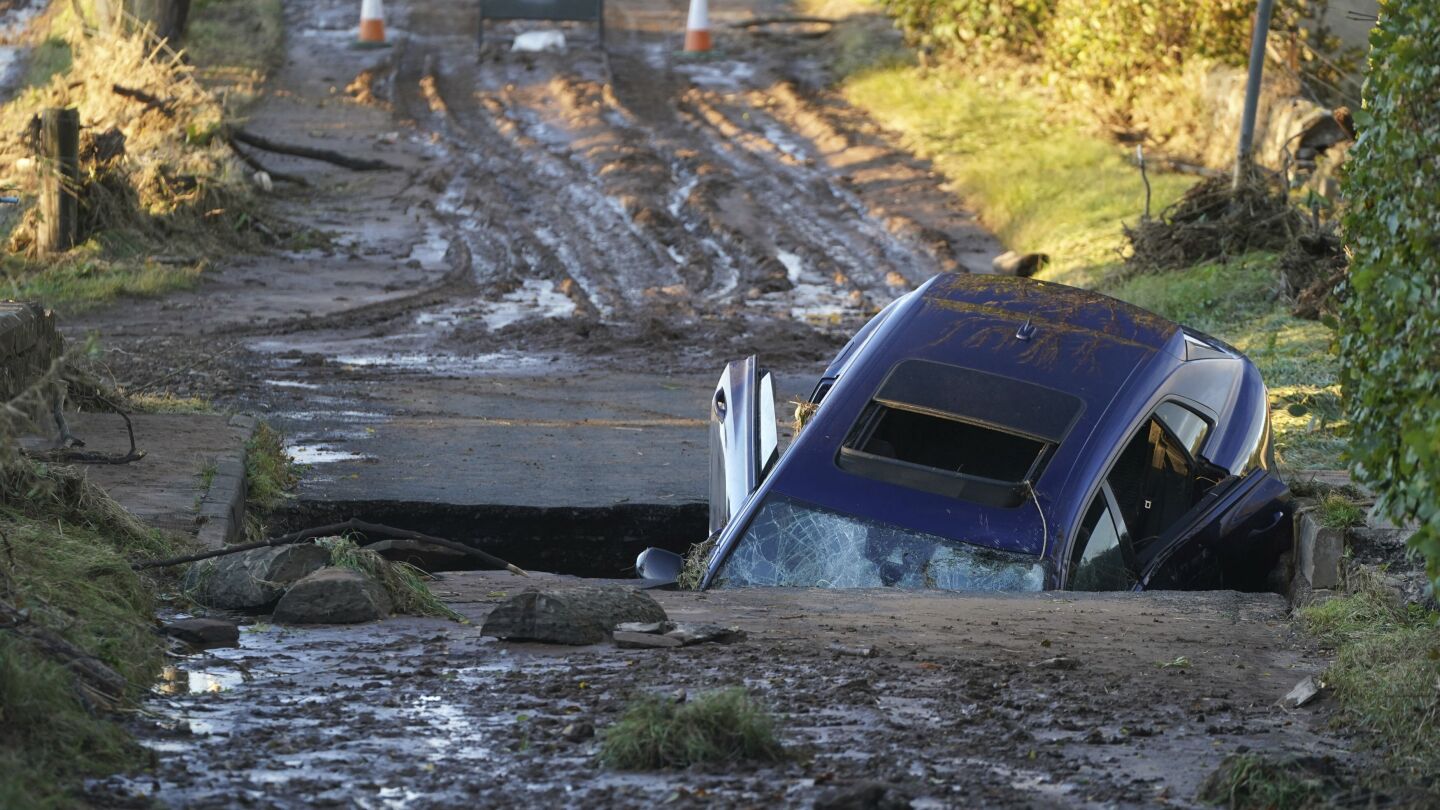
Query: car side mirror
659	565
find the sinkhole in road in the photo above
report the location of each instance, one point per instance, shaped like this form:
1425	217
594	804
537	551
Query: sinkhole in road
600	541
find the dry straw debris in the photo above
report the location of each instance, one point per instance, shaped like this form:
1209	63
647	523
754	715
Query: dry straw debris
155	167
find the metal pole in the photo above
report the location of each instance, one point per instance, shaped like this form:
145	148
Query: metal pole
1245	156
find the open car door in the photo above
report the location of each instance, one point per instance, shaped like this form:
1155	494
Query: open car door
1224	541
744	444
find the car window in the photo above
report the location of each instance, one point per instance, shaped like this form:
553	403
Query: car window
1098	560
1189	427
1154	484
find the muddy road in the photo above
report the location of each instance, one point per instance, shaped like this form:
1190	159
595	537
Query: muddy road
520	325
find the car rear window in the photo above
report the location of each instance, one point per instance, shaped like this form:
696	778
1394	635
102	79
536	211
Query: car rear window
958	432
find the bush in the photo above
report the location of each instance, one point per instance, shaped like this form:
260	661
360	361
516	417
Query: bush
1116	47
973	27
1391	323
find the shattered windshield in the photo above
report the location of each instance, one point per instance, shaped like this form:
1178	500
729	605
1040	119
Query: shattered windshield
791	543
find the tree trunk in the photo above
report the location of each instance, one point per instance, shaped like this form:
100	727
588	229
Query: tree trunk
167	17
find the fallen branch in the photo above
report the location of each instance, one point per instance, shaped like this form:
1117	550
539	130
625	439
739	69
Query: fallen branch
325	155
165	108
250	160
765	22
99	685
331	530
69	455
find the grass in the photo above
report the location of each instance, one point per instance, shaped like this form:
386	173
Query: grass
1339	512
166	403
65	549
270	475
1246	781
1385	672
403	583
714	728
235	43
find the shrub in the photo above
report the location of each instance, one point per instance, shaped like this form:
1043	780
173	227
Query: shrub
973	27
1391	322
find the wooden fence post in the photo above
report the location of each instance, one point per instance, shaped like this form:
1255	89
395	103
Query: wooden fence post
59	162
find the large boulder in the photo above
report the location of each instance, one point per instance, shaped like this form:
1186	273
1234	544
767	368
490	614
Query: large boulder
333	596
573	616
252	581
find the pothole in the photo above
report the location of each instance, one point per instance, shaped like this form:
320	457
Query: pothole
581	541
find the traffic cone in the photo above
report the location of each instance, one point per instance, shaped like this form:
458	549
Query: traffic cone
372	22
697	27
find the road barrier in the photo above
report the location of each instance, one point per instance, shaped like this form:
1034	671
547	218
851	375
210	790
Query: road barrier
697	27
576	10
372	22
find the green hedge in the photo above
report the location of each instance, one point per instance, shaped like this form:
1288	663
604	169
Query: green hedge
1390	341
1114	46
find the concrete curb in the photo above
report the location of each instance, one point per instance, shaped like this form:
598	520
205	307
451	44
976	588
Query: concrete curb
222	508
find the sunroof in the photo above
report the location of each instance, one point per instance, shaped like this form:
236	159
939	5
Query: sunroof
958	432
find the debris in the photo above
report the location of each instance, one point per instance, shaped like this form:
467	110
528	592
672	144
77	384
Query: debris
539	42
637	641
333	596
644	627
1023	265
253	580
857	652
688	634
332	530
863	796
1304	692
310	152
574	616
1180	662
200	632
1058	662
1313	268
1215	221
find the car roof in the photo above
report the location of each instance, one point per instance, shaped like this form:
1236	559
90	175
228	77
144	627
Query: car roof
1074	341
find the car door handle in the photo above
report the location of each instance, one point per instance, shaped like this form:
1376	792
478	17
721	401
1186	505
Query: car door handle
1279	516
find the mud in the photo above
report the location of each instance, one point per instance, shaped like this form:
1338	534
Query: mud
960	701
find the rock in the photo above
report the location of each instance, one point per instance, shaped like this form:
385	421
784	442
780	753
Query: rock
572	616
688	634
1304	692
863	796
1023	265
853	652
333	596
204	632
1318	551
637	641
578	731
252	581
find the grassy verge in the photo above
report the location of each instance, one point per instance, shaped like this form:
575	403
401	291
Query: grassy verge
1386	671
65	560
172	193
1044	183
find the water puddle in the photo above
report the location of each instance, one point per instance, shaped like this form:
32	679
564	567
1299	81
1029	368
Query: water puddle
319	454
176	680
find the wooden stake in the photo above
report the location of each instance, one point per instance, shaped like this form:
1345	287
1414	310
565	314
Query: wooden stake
59	162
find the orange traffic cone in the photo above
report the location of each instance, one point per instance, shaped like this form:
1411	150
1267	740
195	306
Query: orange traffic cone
697	27
372	22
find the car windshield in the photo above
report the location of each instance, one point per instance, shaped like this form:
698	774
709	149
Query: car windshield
795	544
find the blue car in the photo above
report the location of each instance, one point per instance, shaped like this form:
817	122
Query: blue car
988	433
